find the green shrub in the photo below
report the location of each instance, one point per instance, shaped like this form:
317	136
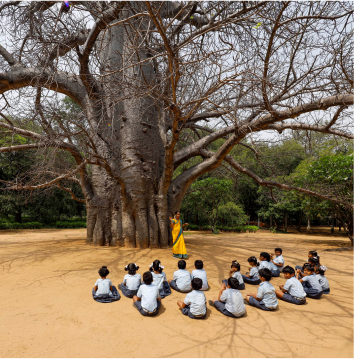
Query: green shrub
193	227
28	225
70	224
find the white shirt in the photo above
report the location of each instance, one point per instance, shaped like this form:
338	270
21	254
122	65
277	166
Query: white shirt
279	260
158	279
196	301
323	281
233	301
254	273
132	281
266	292
103	286
201	273
238	276
183	280
313	282
148	294
265	264
294	287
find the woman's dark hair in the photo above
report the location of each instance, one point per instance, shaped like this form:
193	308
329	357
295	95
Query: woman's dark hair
266	256
103	272
308	267
147	278
265	273
320	269
233	283
236	265
313	261
278	250
198	264
131	268
289	270
182	264
197	283
156	266
253	260
314	254
177	212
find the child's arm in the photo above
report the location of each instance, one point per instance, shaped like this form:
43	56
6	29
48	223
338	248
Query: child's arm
277	264
96	287
223	287
281	287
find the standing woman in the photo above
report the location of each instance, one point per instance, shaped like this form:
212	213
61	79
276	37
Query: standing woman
179	248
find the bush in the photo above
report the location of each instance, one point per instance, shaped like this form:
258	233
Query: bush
193	227
70	225
28	225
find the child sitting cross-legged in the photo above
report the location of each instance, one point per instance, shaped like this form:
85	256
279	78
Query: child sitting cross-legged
230	301
265	298
252	277
320	271
194	304
181	281
104	291
147	300
235	273
199	272
159	278
310	283
292	291
277	263
131	281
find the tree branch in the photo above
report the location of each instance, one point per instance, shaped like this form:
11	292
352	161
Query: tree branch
71	192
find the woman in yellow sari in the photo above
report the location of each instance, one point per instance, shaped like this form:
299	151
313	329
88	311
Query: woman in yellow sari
179	248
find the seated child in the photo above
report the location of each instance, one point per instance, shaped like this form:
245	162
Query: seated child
194	304
264	258
159	278
147	300
311	285
131	281
277	263
292	291
265	298
230	301
252	277
320	271
311	254
104	291
235	273
181	281
199	272
311	262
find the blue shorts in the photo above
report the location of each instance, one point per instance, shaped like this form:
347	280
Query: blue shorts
290	299
220	306
144	312
105	298
311	292
253	281
128	292
326	291
187	311
275	273
258	304
165	290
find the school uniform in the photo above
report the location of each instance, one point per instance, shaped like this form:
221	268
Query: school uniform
238	276
160	280
265	264
253	276
266	292
312	286
324	283
104	293
181	281
196	305
275	269
130	285
201	274
231	303
149	305
295	291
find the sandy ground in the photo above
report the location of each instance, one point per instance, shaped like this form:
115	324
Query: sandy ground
47	309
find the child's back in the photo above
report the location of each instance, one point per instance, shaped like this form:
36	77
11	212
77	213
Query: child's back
233	301
132	281
158	279
148	294
183	280
104	286
196	300
201	274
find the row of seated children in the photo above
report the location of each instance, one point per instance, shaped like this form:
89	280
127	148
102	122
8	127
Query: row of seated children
147	298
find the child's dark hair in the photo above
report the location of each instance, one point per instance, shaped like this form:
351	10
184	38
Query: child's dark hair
314	254
265	273
103	272
198	264
288	270
156	266
131	268
147	278
320	269
266	256
197	283
236	265
182	264
313	261
309	267
233	283
278	250
253	260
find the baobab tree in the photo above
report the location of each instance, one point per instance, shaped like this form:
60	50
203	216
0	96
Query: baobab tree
158	84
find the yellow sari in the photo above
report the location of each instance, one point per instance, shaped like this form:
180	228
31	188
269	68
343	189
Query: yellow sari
179	248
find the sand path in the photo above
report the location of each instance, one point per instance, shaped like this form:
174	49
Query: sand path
47	309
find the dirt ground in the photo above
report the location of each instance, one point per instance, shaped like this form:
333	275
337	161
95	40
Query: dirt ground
47	309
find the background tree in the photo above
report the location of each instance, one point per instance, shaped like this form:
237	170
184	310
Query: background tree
145	74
